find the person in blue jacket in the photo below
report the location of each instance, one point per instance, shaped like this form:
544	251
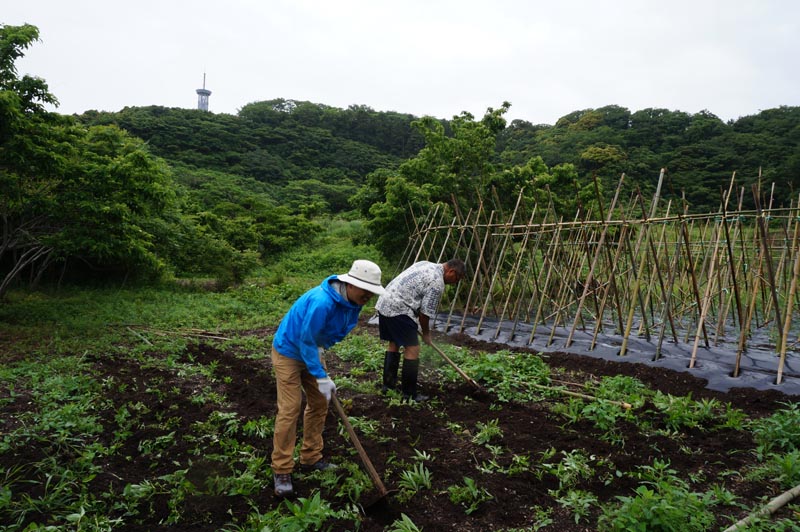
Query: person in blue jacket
317	320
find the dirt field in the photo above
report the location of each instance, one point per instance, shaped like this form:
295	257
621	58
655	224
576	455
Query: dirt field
528	429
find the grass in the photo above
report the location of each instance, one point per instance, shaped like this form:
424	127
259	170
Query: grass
73	319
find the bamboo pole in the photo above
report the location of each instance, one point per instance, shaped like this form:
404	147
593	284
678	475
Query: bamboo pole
590	276
554	242
499	262
706	301
788	315
477	267
765	242
514	275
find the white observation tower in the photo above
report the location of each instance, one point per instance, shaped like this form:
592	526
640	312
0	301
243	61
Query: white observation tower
202	96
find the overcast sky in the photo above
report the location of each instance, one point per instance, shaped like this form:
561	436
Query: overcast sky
424	57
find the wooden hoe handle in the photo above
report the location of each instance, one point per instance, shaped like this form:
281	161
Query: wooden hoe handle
373	474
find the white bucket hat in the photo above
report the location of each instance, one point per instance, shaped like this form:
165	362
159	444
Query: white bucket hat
364	274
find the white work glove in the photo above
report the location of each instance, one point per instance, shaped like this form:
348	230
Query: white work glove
326	387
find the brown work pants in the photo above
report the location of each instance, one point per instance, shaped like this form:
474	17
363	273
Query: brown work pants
292	380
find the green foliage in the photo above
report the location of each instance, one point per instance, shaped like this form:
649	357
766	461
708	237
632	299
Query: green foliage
783	468
308	513
486	432
68	193
573	467
469	495
780	430
604	413
404	524
414	479
682	412
663	503
663	509
579	502
504	373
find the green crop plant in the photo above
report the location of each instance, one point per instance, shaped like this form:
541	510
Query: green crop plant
783	468
662	502
573	467
363	349
723	495
404	524
308	513
486	432
263	427
354	483
665	507
579	502
508	375
454	427
542	518
685	412
781	430
371	428
348	481
733	419
422	456
177	487
413	480
469	495
520	463
249	480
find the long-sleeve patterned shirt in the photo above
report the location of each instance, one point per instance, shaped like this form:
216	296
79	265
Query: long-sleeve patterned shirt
417	290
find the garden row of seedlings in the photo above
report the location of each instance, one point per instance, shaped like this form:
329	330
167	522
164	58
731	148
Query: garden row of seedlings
654	270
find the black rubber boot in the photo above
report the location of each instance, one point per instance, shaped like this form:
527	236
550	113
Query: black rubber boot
409	381
391	363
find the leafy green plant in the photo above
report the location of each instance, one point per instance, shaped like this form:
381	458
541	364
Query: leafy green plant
662	502
669	508
262	427
371	428
469	495
505	374
404	524
306	514
621	388
684	412
579	502
574	466
783	468
486	432
781	430
422	456
416	478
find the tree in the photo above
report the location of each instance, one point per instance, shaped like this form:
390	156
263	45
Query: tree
68	192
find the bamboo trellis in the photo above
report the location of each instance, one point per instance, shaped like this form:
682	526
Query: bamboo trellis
693	278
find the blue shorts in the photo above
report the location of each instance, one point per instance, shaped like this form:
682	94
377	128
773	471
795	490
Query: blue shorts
401	330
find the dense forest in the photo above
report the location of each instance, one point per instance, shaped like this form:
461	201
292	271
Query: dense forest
153	191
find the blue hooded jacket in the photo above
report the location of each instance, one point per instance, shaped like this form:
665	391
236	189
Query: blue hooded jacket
319	318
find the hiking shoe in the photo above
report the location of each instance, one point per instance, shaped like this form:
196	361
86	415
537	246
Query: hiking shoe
419	398
319	466
283	485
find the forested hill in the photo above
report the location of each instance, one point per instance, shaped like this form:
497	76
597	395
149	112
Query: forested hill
699	151
153	190
303	151
327	152
316	159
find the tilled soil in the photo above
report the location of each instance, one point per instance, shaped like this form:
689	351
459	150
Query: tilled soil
443	429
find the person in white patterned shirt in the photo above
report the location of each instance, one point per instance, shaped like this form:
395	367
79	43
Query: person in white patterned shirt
411	297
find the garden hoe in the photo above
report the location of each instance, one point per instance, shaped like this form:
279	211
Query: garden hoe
380	502
459	370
